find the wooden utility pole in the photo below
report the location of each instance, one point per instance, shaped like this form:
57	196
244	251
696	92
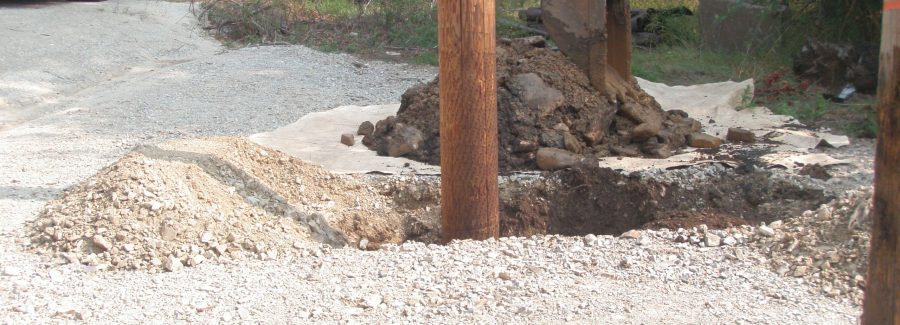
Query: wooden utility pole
882	297
470	203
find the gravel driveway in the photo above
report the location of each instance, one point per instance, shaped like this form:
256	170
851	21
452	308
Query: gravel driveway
82	83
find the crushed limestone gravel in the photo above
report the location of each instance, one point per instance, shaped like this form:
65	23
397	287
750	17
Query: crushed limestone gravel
88	125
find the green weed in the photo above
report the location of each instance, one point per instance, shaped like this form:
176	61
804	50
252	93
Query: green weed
427	58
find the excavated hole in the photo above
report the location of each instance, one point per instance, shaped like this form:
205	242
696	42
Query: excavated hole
601	201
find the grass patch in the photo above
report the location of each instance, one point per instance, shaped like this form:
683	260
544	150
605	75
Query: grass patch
690	64
427	58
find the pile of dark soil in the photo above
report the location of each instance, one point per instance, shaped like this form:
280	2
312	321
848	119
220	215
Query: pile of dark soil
543	101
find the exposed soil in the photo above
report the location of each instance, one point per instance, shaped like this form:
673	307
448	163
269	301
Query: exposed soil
689	219
543	100
602	201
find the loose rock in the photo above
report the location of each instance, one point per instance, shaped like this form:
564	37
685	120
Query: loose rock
632	234
348	139
713	240
366	128
101	243
740	135
552	158
703	140
172	264
730	241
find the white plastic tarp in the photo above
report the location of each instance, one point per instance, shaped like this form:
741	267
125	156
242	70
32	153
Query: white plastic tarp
316	137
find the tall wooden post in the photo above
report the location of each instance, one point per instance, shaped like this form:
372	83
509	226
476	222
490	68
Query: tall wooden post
467	47
882	297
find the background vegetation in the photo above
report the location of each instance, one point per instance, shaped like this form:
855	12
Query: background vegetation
406	30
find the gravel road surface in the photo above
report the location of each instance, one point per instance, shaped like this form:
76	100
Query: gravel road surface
83	83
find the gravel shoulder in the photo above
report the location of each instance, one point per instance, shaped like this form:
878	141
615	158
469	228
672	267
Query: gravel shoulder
95	100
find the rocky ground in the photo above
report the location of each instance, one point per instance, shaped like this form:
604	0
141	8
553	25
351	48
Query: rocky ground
755	275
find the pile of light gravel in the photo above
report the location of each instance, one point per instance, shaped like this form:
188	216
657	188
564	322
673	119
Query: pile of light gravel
828	247
197	201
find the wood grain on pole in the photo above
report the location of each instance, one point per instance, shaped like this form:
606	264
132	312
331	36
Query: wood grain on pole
882	295
618	27
468	103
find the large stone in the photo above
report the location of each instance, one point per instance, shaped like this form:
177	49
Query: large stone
531	89
404	140
703	140
552	158
348	139
366	128
740	135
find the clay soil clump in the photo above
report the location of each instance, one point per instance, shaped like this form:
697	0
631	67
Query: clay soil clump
544	102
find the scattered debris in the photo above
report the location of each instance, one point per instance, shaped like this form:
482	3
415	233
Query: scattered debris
837	66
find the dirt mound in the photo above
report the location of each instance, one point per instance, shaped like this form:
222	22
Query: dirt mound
543	101
195	201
